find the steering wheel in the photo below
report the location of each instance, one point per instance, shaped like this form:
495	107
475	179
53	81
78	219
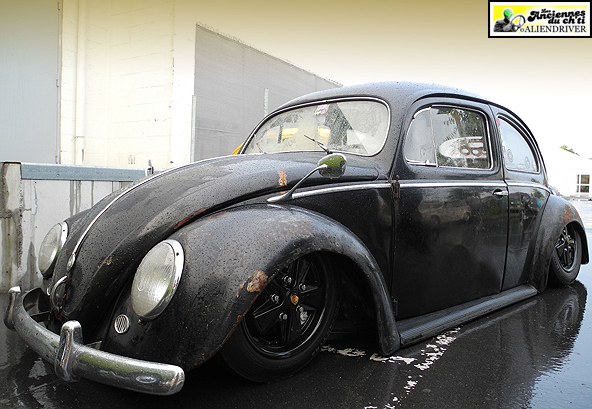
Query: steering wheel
521	21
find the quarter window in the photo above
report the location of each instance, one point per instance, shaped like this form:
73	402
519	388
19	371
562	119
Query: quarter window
449	137
518	154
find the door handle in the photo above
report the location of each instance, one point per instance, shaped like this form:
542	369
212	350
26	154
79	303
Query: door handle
500	193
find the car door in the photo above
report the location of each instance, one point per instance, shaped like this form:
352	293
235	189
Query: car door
525	177
451	208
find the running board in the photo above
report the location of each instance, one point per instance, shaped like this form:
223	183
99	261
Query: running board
417	329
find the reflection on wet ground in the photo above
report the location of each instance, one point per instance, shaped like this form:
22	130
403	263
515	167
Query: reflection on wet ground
535	354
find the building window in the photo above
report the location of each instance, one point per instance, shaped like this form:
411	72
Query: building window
583	185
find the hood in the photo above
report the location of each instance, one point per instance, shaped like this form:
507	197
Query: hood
113	237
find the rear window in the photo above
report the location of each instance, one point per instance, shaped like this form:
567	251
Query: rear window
346	126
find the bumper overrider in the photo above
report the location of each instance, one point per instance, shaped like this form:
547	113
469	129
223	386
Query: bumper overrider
73	360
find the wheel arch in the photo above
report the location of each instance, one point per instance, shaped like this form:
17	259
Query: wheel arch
557	214
264	239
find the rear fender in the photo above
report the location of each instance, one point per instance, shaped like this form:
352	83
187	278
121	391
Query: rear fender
235	253
557	214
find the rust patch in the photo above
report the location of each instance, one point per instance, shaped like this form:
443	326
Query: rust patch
109	260
283	181
190	217
569	215
258	280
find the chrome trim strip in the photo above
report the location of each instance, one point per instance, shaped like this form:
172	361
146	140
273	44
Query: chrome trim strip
416	184
73	359
524	183
72	260
453	183
387	185
111	203
335	189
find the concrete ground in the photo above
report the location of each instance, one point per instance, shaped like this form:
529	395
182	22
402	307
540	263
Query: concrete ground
535	354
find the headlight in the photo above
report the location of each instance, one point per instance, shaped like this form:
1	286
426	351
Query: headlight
50	248
157	278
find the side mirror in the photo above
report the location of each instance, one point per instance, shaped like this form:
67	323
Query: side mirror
332	166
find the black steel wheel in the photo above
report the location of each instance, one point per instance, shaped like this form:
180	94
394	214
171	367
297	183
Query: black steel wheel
288	323
567	257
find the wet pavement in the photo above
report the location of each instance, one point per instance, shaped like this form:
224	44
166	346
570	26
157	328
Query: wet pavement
535	354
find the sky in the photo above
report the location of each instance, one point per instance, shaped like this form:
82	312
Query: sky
546	81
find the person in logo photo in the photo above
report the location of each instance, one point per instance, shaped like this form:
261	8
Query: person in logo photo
506	23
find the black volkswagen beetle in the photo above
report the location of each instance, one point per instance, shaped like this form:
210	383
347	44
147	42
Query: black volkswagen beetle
417	205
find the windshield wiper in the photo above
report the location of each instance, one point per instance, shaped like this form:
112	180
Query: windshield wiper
318	143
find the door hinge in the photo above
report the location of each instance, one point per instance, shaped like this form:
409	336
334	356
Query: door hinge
395	306
397	188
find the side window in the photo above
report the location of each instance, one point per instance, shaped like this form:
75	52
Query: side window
518	154
448	136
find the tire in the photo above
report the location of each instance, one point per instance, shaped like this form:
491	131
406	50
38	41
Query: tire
287	324
567	257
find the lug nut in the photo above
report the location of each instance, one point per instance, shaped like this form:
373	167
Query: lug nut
283	316
275	298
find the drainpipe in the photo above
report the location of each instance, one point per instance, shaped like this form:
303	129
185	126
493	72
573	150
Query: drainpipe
80	84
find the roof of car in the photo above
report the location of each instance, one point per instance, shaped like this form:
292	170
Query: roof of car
403	92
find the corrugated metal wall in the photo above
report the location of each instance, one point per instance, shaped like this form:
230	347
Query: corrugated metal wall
235	86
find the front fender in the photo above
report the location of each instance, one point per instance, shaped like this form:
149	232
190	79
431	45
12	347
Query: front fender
557	214
230	257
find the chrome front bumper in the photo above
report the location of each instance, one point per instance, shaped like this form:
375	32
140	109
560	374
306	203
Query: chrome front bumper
73	360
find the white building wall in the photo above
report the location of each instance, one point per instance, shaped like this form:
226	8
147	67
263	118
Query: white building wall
117	82
68	81
186	15
128	74
563	169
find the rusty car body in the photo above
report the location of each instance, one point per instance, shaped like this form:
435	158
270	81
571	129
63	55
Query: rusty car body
420	206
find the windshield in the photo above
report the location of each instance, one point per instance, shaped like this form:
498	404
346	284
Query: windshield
347	126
